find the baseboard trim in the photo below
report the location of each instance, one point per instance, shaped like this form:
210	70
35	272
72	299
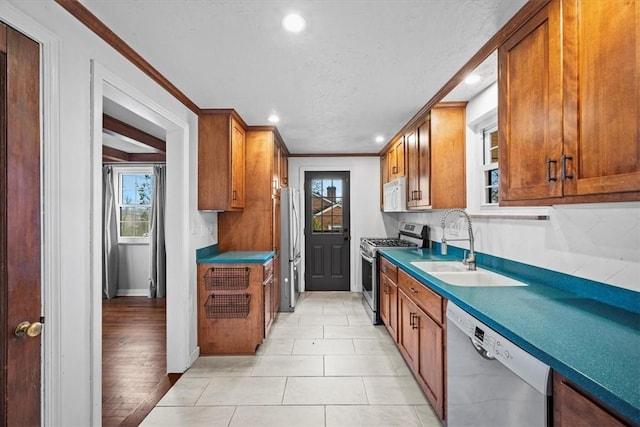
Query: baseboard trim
142	292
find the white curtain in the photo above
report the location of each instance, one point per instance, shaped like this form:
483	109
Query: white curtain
158	256
109	235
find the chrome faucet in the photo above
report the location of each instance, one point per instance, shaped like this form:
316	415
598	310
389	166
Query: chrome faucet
469	261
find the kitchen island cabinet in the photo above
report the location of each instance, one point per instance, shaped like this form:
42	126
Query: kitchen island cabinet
231	305
221	160
569	132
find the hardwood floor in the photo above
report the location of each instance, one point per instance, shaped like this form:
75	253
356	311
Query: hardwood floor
133	358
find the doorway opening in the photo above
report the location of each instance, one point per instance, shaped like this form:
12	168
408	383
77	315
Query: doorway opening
172	315
327	231
134	359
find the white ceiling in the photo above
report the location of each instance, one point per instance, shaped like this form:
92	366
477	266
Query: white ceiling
361	68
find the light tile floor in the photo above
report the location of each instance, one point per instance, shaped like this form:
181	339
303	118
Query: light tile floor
324	365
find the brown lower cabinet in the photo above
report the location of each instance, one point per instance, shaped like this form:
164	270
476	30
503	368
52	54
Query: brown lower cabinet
415	318
268	286
232	309
421	337
389	297
573	407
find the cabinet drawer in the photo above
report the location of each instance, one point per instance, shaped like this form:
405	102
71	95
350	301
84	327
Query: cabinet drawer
424	297
389	269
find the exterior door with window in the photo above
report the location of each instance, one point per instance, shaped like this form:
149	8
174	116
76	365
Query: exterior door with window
20	241
327	231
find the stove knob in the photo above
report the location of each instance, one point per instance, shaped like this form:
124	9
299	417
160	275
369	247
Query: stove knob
506	354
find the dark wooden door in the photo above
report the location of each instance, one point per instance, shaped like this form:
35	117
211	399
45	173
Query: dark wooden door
327	231
20	243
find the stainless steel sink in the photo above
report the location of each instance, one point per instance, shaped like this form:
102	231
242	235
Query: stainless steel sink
456	274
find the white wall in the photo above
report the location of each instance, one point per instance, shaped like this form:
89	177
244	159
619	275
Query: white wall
133	269
77	47
366	218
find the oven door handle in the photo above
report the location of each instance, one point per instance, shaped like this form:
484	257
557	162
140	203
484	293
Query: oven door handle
367	258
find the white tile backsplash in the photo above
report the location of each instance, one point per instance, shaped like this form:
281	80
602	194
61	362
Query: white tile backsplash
599	242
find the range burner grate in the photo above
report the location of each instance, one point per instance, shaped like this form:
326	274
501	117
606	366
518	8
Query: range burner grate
389	243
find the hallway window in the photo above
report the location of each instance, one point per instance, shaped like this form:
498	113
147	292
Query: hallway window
135	190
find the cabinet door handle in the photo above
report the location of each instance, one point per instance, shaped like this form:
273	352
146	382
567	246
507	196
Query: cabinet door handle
549	177
412	289
419	195
413	320
565	175
235	195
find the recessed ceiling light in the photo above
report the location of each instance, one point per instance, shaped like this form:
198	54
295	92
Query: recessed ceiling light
294	23
472	79
274	118
379	139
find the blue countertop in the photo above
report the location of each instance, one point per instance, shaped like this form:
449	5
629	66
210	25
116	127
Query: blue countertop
594	344
210	255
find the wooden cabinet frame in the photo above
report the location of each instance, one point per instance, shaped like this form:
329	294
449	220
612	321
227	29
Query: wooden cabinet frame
221	160
569	133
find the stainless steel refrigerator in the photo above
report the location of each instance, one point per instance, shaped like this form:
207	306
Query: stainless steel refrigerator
290	245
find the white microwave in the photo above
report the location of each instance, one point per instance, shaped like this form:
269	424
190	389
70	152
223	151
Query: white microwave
395	195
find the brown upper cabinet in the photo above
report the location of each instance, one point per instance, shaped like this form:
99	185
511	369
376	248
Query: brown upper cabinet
448	175
569	105
436	159
284	169
280	165
221	160
384	177
395	159
418	164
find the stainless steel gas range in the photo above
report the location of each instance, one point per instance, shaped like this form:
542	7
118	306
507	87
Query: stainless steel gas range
410	236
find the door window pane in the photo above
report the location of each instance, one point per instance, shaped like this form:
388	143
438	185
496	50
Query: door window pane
326	203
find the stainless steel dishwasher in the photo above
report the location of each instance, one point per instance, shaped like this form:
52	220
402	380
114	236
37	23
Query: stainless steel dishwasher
490	380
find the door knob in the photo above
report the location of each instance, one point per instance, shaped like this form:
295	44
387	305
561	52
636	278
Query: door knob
29	329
